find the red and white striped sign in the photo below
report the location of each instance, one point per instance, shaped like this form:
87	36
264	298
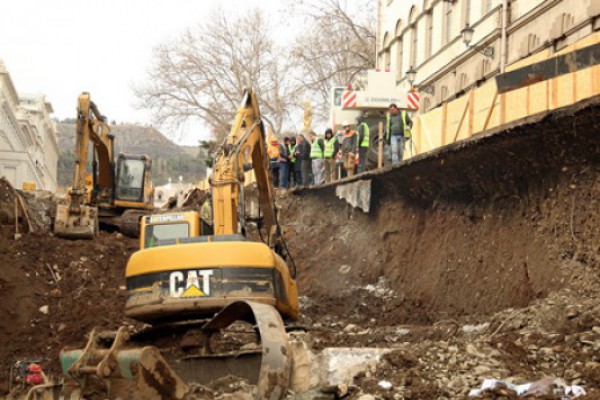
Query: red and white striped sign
348	99
413	100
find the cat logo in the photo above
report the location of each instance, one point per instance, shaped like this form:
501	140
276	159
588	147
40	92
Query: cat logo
192	283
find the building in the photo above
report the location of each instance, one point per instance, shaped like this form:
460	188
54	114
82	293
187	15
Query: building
28	138
427	36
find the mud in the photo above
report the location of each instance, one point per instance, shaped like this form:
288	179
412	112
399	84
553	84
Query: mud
480	261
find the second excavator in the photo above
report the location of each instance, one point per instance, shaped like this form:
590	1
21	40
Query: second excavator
111	191
214	304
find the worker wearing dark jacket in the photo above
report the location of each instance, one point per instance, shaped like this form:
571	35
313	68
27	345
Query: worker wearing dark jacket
331	147
397	129
302	155
284	163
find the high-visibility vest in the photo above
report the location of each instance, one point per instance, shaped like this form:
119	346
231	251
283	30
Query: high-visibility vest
315	149
329	146
273	151
366	132
388	125
292	150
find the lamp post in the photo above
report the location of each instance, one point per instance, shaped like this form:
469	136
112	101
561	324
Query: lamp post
411	74
467	36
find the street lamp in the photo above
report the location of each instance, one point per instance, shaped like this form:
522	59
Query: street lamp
411	74
467	36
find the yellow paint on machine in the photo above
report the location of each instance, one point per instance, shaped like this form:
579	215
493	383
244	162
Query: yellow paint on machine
200	255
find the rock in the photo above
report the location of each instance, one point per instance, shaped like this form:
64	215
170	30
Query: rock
387	385
344	269
44	309
366	397
61	327
350	328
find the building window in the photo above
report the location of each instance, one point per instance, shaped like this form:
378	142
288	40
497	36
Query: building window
463	82
466	12
429	33
486	6
387	62
426	105
567	22
444	92
448	21
400	56
533	42
415	43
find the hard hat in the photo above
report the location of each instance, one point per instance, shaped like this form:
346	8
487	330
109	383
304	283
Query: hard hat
346	123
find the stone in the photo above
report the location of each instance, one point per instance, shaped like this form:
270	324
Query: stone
367	397
44	309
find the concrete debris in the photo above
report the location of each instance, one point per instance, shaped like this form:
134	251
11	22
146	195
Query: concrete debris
44	309
543	387
357	194
387	385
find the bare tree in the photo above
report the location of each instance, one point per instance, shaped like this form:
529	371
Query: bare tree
202	74
339	43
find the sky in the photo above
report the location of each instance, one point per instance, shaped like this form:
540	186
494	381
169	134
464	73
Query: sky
63	47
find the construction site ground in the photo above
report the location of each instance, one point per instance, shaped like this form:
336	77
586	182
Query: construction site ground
478	261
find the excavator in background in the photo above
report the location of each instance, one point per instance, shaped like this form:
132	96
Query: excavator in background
114	189
193	285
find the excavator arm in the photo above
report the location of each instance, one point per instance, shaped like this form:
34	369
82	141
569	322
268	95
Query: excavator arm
244	149
91	127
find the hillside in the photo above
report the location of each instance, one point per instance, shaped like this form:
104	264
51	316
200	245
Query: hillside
169	159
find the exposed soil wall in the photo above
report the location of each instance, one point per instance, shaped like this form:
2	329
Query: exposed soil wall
474	228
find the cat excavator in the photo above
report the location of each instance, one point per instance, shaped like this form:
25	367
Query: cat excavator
213	301
116	194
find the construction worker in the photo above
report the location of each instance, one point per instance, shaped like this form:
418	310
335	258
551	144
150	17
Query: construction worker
302	154
349	149
284	163
317	149
291	147
330	151
273	152
397	129
363	144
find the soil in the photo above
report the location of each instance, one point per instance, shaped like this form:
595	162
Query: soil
478	261
88	292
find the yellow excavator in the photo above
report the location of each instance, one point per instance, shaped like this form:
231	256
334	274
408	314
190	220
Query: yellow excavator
112	190
189	285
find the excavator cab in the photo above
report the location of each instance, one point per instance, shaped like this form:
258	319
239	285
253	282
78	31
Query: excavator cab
133	184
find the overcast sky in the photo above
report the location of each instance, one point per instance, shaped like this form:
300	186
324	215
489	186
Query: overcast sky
63	47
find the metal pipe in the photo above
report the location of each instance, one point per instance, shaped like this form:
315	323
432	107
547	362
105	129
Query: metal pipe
503	37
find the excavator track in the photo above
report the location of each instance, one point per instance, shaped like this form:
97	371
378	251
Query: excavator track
144	365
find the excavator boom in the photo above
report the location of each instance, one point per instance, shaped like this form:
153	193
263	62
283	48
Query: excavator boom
113	187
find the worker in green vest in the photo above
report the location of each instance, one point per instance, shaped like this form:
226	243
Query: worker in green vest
397	130
363	144
317	148
330	151
291	146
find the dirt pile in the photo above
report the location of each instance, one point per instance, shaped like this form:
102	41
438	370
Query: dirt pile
479	261
54	291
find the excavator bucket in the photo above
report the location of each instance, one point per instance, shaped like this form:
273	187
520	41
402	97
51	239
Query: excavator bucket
144	366
80	225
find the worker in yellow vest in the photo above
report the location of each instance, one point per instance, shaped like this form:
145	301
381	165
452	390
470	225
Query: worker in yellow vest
317	148
363	145
397	130
331	148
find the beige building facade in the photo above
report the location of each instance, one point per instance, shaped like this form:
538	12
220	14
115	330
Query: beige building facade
28	137
426	35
